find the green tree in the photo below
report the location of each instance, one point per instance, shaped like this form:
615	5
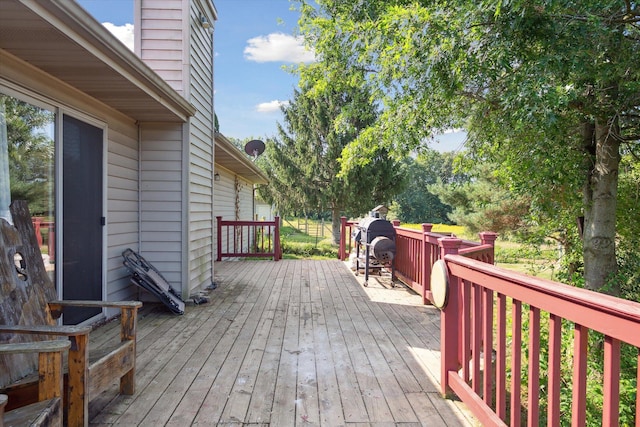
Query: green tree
548	91
418	203
303	164
30	152
483	203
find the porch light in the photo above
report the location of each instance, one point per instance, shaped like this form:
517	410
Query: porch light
204	21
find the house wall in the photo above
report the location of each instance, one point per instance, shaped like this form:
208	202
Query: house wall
201	152
161	194
233	199
20	79
160	35
171	39
264	211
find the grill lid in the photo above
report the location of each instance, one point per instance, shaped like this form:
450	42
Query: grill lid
374	227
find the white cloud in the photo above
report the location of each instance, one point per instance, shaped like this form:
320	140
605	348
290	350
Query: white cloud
270	107
124	33
277	47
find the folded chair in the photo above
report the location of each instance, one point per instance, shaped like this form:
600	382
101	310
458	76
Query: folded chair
150	279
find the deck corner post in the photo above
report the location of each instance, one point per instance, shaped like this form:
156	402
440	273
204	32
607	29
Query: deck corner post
449	246
343	238
277	254
488	237
426	261
449	318
396	223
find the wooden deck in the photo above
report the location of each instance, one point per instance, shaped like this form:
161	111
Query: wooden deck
282	344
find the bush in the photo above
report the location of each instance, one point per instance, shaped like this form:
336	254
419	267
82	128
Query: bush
296	244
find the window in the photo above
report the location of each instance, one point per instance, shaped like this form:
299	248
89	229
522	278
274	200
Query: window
27	160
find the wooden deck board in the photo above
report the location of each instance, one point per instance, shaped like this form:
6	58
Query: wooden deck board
284	344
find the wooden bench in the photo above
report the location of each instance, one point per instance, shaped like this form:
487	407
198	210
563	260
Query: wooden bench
28	312
48	410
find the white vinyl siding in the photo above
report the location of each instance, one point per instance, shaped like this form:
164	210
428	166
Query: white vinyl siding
121	165
233	200
174	43
201	222
161	213
162	37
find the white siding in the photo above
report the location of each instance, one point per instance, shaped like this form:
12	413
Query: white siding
233	200
161	33
161	212
201	149
121	165
175	44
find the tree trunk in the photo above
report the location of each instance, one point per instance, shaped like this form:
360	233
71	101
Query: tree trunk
335	225
600	196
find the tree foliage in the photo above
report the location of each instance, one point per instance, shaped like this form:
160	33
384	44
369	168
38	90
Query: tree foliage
418	203
303	163
483	203
30	153
548	91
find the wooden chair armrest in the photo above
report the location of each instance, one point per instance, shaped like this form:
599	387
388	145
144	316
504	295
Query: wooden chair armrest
35	347
88	303
67	331
55	307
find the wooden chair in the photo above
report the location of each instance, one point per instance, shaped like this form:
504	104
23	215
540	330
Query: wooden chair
28	312
48	410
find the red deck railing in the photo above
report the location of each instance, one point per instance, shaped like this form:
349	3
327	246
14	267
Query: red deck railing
38	225
502	334
482	340
417	251
246	239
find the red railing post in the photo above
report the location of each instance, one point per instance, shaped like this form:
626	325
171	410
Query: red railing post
449	328
276	239
489	238
219	224
51	241
396	223
425	263
342	255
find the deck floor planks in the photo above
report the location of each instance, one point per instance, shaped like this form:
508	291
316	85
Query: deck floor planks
370	330
154	352
205	401
307	391
261	403
284	344
167	360
285	395
331	413
353	405
239	399
197	351
172	377
351	326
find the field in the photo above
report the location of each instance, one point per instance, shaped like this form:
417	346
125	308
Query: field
307	238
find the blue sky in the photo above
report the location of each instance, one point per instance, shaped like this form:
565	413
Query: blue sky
253	41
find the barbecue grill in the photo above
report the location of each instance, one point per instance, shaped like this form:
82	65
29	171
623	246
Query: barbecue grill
378	237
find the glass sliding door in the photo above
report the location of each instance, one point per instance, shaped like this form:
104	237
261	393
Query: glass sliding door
28	167
82	216
27	164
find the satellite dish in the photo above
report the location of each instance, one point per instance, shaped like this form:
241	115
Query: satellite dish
254	148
